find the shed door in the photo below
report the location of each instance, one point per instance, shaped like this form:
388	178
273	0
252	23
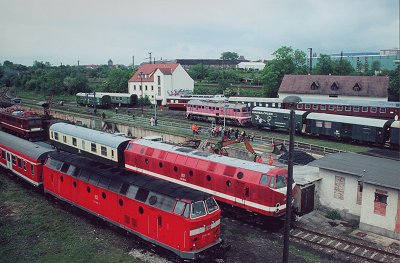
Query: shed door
307	199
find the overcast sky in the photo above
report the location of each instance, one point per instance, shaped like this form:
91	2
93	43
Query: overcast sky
93	31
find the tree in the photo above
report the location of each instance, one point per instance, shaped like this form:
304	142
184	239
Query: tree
394	84
117	80
324	66
342	67
286	61
376	66
229	55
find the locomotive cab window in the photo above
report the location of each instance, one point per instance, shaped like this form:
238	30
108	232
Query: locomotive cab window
211	205
264	180
198	209
280	181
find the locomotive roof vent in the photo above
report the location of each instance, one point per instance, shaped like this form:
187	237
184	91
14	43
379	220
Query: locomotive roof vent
184	150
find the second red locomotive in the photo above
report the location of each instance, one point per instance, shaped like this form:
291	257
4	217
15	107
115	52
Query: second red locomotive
255	187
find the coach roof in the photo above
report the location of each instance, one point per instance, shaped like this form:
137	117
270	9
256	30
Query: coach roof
28	148
107	139
347	119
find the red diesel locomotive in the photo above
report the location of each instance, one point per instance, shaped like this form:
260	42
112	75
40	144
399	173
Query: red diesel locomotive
235	113
24	124
179	219
255	187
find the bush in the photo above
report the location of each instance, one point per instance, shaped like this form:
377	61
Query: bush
334	215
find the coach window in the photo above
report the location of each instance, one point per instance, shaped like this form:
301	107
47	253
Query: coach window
356	109
64	138
323	107
24	166
83	144
331	107
74	141
383	110
348	108
93	147
32	169
307	106
56	136
373	109
51	135
103	151
14	159
328	124
299	106
19	163
339	108
314	106
364	109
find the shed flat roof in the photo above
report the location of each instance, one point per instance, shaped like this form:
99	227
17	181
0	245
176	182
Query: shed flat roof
369	169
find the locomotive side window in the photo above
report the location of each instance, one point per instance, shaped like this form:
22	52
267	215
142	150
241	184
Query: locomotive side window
56	136
19	163
198	209
142	195
24	166
64	167
14	159
211	205
74	142
179	207
132	191
264	179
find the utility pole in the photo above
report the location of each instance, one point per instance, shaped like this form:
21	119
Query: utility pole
150	57
133	62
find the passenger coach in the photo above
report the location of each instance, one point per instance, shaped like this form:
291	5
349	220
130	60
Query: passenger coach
23	158
98	145
181	220
255	187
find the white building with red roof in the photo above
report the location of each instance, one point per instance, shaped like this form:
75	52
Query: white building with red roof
158	81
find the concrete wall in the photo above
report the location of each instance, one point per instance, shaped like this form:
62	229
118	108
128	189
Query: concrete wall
348	205
373	222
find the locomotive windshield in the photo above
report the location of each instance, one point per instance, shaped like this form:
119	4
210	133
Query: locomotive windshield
198	209
211	205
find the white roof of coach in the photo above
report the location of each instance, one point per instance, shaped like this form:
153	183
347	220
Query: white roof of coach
107	139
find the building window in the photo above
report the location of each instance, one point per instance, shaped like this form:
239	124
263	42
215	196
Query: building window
103	151
134	87
339	187
93	147
380	202
74	143
159	80
357	87
335	86
145	87
159	91
152	87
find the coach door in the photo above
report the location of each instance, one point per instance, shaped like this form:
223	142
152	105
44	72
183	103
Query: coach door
9	163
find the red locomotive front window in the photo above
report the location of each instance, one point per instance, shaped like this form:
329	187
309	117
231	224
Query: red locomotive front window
181	208
198	209
211	205
281	181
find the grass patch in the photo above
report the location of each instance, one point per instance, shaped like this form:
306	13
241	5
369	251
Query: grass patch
334	215
34	229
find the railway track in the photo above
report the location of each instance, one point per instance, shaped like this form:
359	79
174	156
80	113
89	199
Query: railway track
341	245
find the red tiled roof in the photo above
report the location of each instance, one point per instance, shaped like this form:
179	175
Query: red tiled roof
369	86
149	69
